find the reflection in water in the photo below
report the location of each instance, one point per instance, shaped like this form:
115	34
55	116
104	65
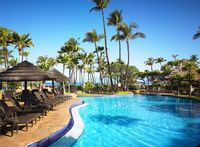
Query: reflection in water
178	106
116	120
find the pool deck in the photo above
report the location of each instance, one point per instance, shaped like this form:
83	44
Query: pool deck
54	121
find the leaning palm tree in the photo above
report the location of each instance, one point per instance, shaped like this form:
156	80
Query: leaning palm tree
126	32
21	42
150	61
93	37
197	34
100	6
115	19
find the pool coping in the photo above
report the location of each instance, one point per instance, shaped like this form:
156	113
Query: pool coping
63	131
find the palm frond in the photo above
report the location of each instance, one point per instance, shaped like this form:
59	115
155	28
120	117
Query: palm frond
96	9
197	35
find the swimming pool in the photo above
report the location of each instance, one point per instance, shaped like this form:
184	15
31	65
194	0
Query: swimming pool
139	120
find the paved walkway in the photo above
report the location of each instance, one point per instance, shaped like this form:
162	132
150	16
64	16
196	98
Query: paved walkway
51	123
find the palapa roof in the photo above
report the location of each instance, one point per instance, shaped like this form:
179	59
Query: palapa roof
24	71
54	73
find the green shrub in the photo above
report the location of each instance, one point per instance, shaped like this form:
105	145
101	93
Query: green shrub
88	86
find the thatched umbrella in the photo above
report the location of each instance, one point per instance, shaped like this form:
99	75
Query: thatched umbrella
24	71
54	73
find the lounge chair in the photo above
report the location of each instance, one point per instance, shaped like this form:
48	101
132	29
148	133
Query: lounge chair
14	119
4	124
24	110
41	101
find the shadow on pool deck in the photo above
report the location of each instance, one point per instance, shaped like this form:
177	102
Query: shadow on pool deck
117	120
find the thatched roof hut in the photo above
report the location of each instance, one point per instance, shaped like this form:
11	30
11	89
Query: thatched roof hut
24	71
54	73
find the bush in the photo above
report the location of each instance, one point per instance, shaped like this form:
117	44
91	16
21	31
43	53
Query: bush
88	86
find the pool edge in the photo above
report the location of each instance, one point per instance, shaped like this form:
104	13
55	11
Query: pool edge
60	133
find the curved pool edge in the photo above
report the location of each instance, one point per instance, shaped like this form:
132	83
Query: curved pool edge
65	130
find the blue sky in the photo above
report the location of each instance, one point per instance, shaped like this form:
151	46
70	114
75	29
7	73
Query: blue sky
168	24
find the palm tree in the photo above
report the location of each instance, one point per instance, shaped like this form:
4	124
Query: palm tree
150	61
26	54
160	61
6	54
197	35
175	56
115	19
42	63
194	58
13	62
64	59
93	37
51	62
21	42
5	41
127	34
100	6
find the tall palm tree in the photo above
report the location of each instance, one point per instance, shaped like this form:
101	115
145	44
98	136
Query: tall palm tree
150	61
5	41
197	34
115	19
100	6
21	42
93	37
160	60
126	32
64	59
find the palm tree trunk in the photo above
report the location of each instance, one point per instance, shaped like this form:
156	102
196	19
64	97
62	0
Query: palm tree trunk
98	59
128	51
151	67
119	48
63	83
106	48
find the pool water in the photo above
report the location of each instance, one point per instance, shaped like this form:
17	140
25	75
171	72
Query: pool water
139	120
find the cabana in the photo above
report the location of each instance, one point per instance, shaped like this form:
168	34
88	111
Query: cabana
54	73
24	71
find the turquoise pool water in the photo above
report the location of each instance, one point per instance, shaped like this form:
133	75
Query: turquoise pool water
141	120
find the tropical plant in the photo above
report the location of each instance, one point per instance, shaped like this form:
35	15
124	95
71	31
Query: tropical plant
115	19
21	42
100	6
150	62
88	86
126	32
